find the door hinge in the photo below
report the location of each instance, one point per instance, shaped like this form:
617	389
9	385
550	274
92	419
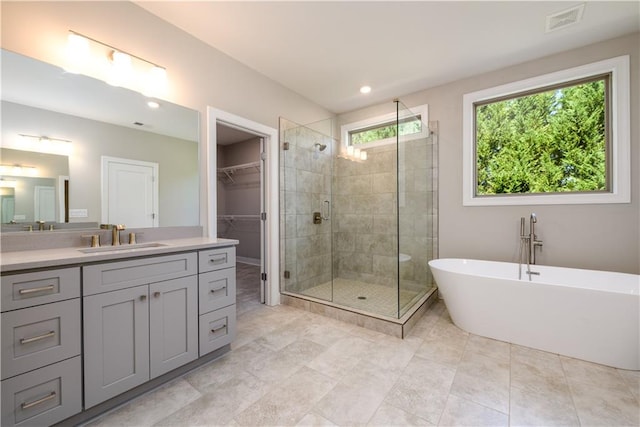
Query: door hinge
263	216
285	145
263	276
263	156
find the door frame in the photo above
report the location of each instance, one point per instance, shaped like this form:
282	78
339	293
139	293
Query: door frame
271	185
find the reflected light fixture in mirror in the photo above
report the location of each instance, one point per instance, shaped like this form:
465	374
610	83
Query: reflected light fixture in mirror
114	66
40	144
18	170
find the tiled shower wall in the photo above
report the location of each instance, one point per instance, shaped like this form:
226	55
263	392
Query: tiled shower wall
365	208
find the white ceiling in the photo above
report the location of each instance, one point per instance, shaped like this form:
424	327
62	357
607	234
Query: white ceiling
326	50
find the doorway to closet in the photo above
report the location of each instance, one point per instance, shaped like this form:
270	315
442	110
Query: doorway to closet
240	206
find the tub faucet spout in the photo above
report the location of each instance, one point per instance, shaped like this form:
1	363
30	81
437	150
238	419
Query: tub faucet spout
533	239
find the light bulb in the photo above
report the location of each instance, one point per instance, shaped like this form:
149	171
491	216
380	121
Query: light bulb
120	72
77	53
356	153
350	150
155	82
363	155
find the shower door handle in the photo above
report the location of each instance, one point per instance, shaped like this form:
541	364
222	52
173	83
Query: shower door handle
326	208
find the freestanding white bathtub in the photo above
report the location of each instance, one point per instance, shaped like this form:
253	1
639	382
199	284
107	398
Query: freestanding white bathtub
586	314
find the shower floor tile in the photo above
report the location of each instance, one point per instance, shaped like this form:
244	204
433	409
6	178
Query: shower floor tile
377	299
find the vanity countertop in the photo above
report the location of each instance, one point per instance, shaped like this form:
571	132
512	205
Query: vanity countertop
46	258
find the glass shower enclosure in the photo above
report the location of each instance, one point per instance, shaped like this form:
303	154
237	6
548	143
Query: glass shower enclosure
357	230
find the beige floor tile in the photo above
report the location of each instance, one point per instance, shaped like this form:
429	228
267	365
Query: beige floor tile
333	364
151	407
226	367
357	396
600	406
603	377
542	408
438	351
539	378
492	348
393	353
422	389
632	378
390	416
483	380
288	403
352	346
282	364
449	334
462	412
315	420
220	403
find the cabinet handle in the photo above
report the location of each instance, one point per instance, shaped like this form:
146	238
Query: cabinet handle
213	331
38	338
219	289
34	290
143	297
217	260
39	401
156	294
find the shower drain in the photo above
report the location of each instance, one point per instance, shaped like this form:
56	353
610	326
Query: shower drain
362	297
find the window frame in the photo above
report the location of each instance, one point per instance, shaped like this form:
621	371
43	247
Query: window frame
619	190
422	111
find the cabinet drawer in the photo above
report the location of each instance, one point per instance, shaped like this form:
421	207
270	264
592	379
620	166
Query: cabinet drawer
216	259
217	328
217	289
41	287
125	274
44	396
38	336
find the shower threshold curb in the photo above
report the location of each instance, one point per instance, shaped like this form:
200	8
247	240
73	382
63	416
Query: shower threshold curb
387	325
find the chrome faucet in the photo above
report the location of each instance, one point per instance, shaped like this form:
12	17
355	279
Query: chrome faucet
115	234
533	241
528	244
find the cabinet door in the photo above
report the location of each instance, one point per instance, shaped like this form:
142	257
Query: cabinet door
116	343
173	327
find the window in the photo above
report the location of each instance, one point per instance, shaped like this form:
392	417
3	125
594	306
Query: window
562	138
382	130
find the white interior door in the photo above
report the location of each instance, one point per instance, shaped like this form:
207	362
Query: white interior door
44	206
129	192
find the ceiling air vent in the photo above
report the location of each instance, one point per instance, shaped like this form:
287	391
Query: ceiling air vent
565	18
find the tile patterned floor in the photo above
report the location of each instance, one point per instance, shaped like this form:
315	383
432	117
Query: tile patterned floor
291	367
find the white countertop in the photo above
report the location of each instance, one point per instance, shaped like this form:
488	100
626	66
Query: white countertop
22	260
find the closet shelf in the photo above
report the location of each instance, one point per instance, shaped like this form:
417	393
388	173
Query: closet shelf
227	172
238	217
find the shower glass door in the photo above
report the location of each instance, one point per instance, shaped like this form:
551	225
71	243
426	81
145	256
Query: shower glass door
306	209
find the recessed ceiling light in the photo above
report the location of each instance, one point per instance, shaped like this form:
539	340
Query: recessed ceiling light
153	104
365	89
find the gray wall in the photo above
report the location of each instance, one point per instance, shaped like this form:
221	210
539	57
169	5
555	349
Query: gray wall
603	237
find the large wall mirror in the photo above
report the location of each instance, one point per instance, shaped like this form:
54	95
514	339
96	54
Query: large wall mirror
120	152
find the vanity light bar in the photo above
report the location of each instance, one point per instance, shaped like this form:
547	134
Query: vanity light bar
18	170
120	70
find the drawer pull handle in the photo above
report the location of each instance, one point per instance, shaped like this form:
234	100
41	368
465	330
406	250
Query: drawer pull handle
219	289
218	259
213	331
38	338
34	290
156	294
39	401
143	297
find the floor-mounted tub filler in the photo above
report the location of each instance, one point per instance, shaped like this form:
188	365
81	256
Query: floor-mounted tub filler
585	314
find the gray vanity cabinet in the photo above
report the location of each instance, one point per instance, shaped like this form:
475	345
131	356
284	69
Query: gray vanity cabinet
134	334
41	362
217	307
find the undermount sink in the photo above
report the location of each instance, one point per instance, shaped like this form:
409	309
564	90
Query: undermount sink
122	248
